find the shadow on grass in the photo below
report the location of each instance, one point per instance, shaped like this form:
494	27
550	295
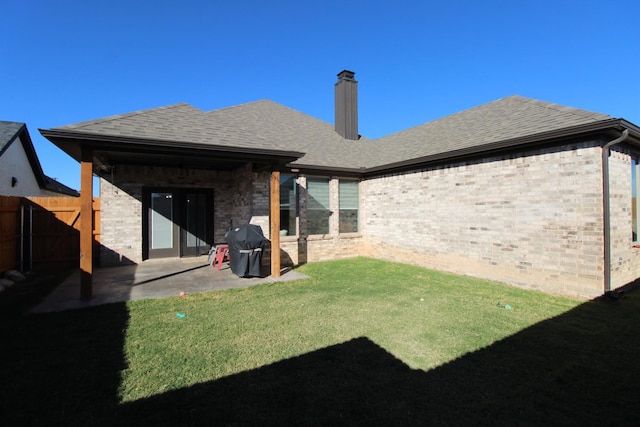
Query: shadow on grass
62	368
579	368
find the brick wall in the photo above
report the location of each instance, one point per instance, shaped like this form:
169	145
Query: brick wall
122	204
260	208
625	259
333	245
532	219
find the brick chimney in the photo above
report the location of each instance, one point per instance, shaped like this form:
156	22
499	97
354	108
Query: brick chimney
346	106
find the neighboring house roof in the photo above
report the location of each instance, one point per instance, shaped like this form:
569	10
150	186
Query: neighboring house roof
56	186
266	125
9	131
16	131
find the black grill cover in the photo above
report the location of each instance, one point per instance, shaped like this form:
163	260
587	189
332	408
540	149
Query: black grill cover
246	243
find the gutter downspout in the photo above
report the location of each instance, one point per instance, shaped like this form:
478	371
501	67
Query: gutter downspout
606	204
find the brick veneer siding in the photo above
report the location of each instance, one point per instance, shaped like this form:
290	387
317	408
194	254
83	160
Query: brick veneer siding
260	207
121	220
305	248
625	259
533	219
332	245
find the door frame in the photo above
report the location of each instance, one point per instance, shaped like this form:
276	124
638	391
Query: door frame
179	213
185	251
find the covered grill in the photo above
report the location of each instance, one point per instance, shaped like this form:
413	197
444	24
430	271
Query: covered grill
246	243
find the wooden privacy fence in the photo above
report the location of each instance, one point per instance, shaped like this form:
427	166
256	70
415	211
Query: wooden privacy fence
42	233
9	232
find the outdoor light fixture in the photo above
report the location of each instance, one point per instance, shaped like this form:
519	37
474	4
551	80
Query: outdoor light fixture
14	181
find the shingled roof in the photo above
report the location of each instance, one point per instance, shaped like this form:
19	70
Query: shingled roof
9	131
269	125
505	119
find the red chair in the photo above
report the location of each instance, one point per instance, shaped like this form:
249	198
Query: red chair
221	255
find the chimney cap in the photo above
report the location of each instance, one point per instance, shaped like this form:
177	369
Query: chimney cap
346	75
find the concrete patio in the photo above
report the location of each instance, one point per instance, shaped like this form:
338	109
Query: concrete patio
151	279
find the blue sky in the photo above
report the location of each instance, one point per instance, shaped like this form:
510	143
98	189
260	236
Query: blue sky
68	61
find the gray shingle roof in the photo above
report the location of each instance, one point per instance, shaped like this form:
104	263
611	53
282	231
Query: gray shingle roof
8	131
269	125
292	130
261	124
177	123
506	118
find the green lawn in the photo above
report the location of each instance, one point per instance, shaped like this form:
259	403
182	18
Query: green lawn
362	342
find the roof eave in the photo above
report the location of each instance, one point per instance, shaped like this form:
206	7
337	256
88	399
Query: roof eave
306	169
71	141
529	141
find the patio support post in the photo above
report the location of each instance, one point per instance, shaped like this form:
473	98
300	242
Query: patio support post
86	223
274	232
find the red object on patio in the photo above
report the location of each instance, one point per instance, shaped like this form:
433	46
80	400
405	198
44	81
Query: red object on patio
221	255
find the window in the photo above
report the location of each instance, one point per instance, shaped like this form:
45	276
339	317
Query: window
288	192
318	212
348	206
634	198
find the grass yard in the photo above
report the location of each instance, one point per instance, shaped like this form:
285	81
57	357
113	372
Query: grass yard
363	342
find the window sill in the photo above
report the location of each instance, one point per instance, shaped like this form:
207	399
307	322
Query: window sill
349	235
320	237
334	236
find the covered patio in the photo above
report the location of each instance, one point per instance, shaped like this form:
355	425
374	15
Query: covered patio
152	162
151	279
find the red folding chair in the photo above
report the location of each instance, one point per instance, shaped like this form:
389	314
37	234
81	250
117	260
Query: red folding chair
221	255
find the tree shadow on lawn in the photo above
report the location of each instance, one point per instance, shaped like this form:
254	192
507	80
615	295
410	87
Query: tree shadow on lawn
578	368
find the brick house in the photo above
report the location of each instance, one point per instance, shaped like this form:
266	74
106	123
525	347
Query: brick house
522	191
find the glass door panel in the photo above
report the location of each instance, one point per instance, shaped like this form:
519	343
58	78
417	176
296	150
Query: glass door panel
177	222
161	221
161	231
195	227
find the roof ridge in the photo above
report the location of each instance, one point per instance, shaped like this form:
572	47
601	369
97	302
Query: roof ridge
11	122
518	98
269	101
555	106
125	115
244	104
240	105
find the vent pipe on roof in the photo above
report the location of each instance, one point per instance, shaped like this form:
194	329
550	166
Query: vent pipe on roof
346	105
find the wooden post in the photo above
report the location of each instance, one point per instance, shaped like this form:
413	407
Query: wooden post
275	223
86	224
